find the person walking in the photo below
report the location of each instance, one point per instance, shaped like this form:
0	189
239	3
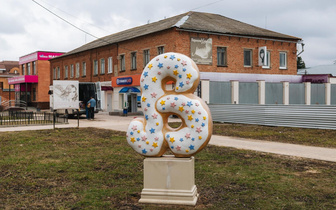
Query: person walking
91	106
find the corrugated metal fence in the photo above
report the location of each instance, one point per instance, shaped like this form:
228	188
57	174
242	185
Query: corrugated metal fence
322	117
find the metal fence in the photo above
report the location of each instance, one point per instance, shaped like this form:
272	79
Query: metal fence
12	118
312	116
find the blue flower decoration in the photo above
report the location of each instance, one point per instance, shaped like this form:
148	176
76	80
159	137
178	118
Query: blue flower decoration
146	117
148	104
189	103
176	66
176	98
191	147
168	136
131	133
193	139
172	57
180	76
196	119
172	147
184	69
152	130
145	73
203	124
181	139
146	86
144	151
138	139
160	65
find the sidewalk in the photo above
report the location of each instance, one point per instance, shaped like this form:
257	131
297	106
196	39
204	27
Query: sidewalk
104	121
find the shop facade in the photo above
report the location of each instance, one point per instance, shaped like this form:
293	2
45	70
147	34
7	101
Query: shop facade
33	85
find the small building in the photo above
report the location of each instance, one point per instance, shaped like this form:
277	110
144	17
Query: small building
319	74
33	85
216	43
8	69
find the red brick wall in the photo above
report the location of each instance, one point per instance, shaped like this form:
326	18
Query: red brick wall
179	41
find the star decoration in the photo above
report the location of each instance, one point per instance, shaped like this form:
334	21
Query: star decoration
152	130
146	116
131	133
145	109
138	139
187	135
143	138
189	103
187	82
168	136
203	124
187	111
146	86
155	144
154	79
162	102
143	98
168	67
184	63
145	73
154	116
189	76
183	104
196	104
172	139
144	151
192	139
181	84
139	145
181	109
176	98
172	57
134	127
150	66
193	111
178	148
175	72
156	138
148	104
191	147
184	69
181	139
176	66
160	65
196	120
159	72
190	117
172	104
198	130
153	95
133	140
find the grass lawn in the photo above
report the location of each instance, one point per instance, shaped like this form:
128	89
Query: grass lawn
96	169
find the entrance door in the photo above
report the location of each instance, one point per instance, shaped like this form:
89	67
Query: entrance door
109	102
132	102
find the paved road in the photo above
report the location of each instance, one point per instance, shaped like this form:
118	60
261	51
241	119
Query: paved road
121	123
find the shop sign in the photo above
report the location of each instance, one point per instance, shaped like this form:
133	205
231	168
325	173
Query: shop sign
124	81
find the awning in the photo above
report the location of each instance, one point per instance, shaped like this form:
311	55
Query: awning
129	90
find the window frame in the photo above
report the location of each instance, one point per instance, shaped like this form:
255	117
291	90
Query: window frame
146	57
122	63
285	57
250	59
83	69
95	67
66	72
133	60
72	71
109	65
268	60
102	66
77	70
223	57
160	50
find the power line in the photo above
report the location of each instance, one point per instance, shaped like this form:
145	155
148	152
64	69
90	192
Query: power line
206	5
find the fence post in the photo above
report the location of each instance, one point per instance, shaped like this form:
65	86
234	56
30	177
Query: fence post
234	92
307	93
205	91
285	93
261	92
327	93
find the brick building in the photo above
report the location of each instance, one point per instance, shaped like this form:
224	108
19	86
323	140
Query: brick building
33	85
216	43
8	69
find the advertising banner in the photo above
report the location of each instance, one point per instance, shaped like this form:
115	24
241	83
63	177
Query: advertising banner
201	50
65	94
262	60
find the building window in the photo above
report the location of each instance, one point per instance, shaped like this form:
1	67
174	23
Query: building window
34	68
1	85
122	63
23	69
146	57
84	69
109	65
95	67
34	94
102	66
77	70
283	60
71	71
58	73
247	57
221	56
28	69
66	70
54	73
268	60
160	50
133	61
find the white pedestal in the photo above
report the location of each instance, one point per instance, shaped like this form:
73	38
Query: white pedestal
169	180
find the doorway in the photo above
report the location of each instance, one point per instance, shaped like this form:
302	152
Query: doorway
132	102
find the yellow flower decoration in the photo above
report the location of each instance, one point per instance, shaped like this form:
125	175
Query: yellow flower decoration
190	117
155	144
133	140
154	79
143	98
163	102
172	140
189	76
150	66
181	109
176	72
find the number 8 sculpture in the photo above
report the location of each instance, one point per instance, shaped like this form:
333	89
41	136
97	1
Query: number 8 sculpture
152	136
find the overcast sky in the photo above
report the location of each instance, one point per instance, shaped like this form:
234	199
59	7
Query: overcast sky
26	27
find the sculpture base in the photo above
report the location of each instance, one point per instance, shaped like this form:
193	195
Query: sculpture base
169	180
